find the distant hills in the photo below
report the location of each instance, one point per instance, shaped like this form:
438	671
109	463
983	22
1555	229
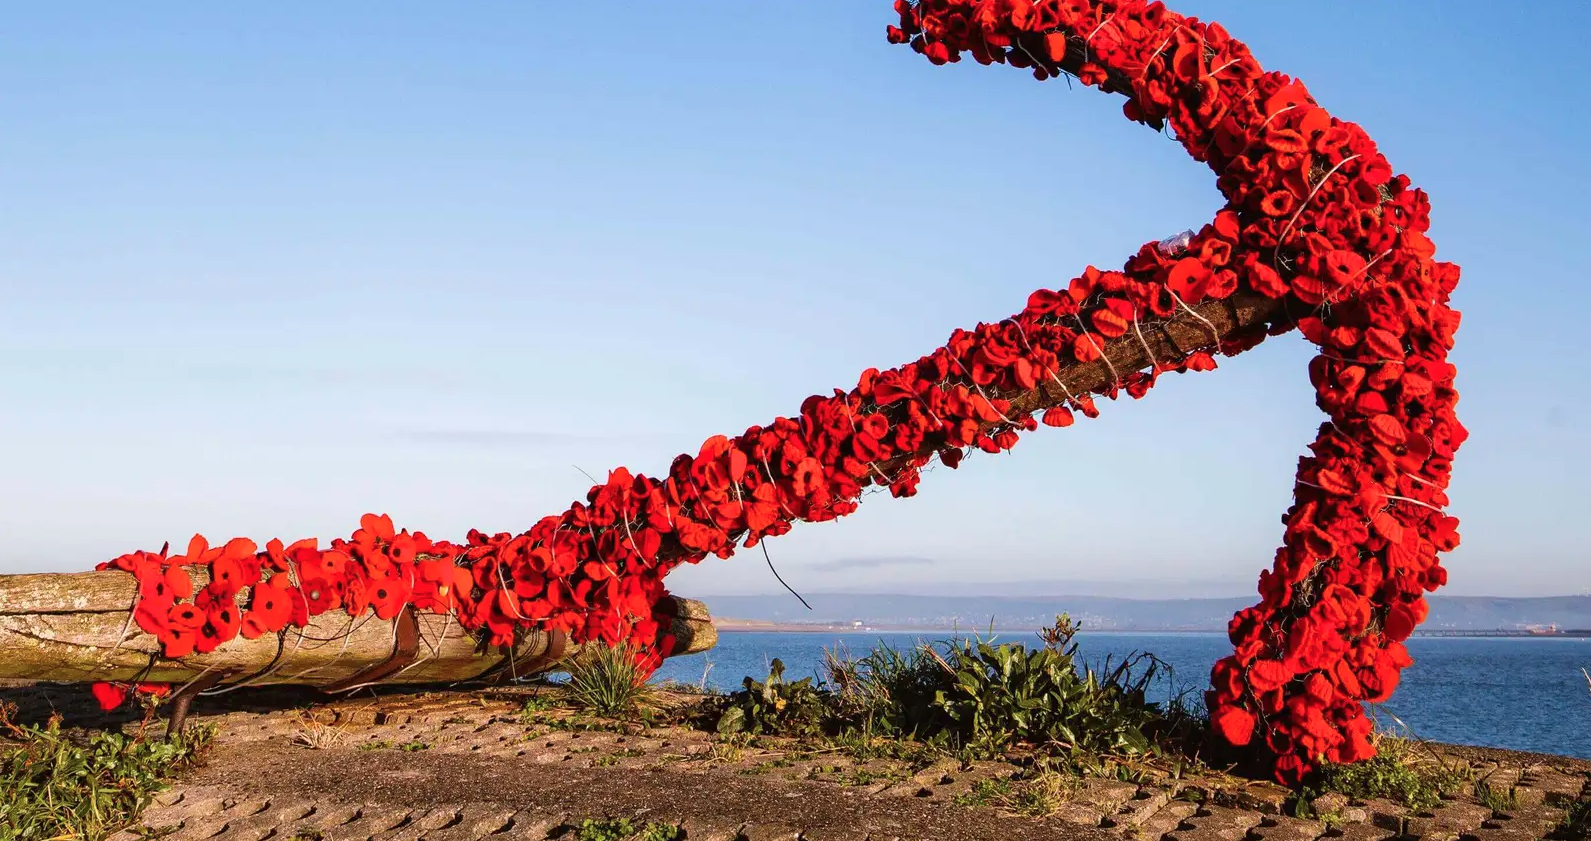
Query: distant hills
939	612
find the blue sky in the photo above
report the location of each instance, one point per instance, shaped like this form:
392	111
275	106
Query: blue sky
267	268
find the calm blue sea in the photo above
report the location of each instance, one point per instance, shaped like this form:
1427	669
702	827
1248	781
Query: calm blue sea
1524	694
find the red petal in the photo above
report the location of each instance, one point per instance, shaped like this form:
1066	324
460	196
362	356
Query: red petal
108	695
1235	724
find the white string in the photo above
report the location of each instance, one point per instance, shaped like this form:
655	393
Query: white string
1114	377
1214	334
1321	183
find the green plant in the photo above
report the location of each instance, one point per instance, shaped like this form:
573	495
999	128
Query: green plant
620	829
60	786
1038	796
414	746
1498	799
731	747
613	758
378	744
889	691
607	680
1396	774
532	707
973	697
984	793
1576	821
775	705
864	747
573	723
996	695
867	777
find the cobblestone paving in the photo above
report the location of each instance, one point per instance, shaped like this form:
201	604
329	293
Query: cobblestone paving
417	744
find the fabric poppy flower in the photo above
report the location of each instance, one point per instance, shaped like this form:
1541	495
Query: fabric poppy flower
320	595
185	617
109	696
177	644
388	596
1235	724
269	610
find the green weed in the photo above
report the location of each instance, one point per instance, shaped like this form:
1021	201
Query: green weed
776	705
606	680
1395	774
1576	821
1500	799
61	786
623	829
984	793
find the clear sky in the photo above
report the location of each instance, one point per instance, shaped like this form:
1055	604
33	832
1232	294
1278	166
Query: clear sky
266	267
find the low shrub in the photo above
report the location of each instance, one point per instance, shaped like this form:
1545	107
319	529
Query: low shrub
69	786
1395	774
1038	794
966	695
889	691
999	695
606	680
1576	823
624	829
776	705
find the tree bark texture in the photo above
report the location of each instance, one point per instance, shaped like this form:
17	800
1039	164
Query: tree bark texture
74	627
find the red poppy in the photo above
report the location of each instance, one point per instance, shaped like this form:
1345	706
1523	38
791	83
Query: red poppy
185	617
1188	280
1058	416
1268	675
269	610
1114	319
387	596
320	595
356	598
227	574
109	696
153	615
222	624
1086	348
374	527
1235	724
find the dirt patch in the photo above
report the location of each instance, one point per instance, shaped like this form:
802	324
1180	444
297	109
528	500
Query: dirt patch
424	780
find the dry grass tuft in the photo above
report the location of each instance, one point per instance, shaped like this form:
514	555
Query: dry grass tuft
316	734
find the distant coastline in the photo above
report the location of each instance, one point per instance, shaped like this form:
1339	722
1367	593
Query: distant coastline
1550	617
728	625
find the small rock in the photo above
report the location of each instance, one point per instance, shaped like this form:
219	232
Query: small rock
1328	803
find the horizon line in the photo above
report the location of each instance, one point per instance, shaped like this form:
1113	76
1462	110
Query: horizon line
1580	595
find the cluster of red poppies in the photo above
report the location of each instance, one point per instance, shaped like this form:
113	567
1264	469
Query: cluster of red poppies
493	584
1314	216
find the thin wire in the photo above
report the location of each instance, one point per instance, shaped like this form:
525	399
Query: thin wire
775	572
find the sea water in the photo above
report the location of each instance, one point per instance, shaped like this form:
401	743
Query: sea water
1507	692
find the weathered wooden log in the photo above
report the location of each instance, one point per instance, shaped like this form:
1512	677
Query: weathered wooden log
75	627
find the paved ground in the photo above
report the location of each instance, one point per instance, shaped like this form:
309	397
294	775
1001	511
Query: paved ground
466	767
